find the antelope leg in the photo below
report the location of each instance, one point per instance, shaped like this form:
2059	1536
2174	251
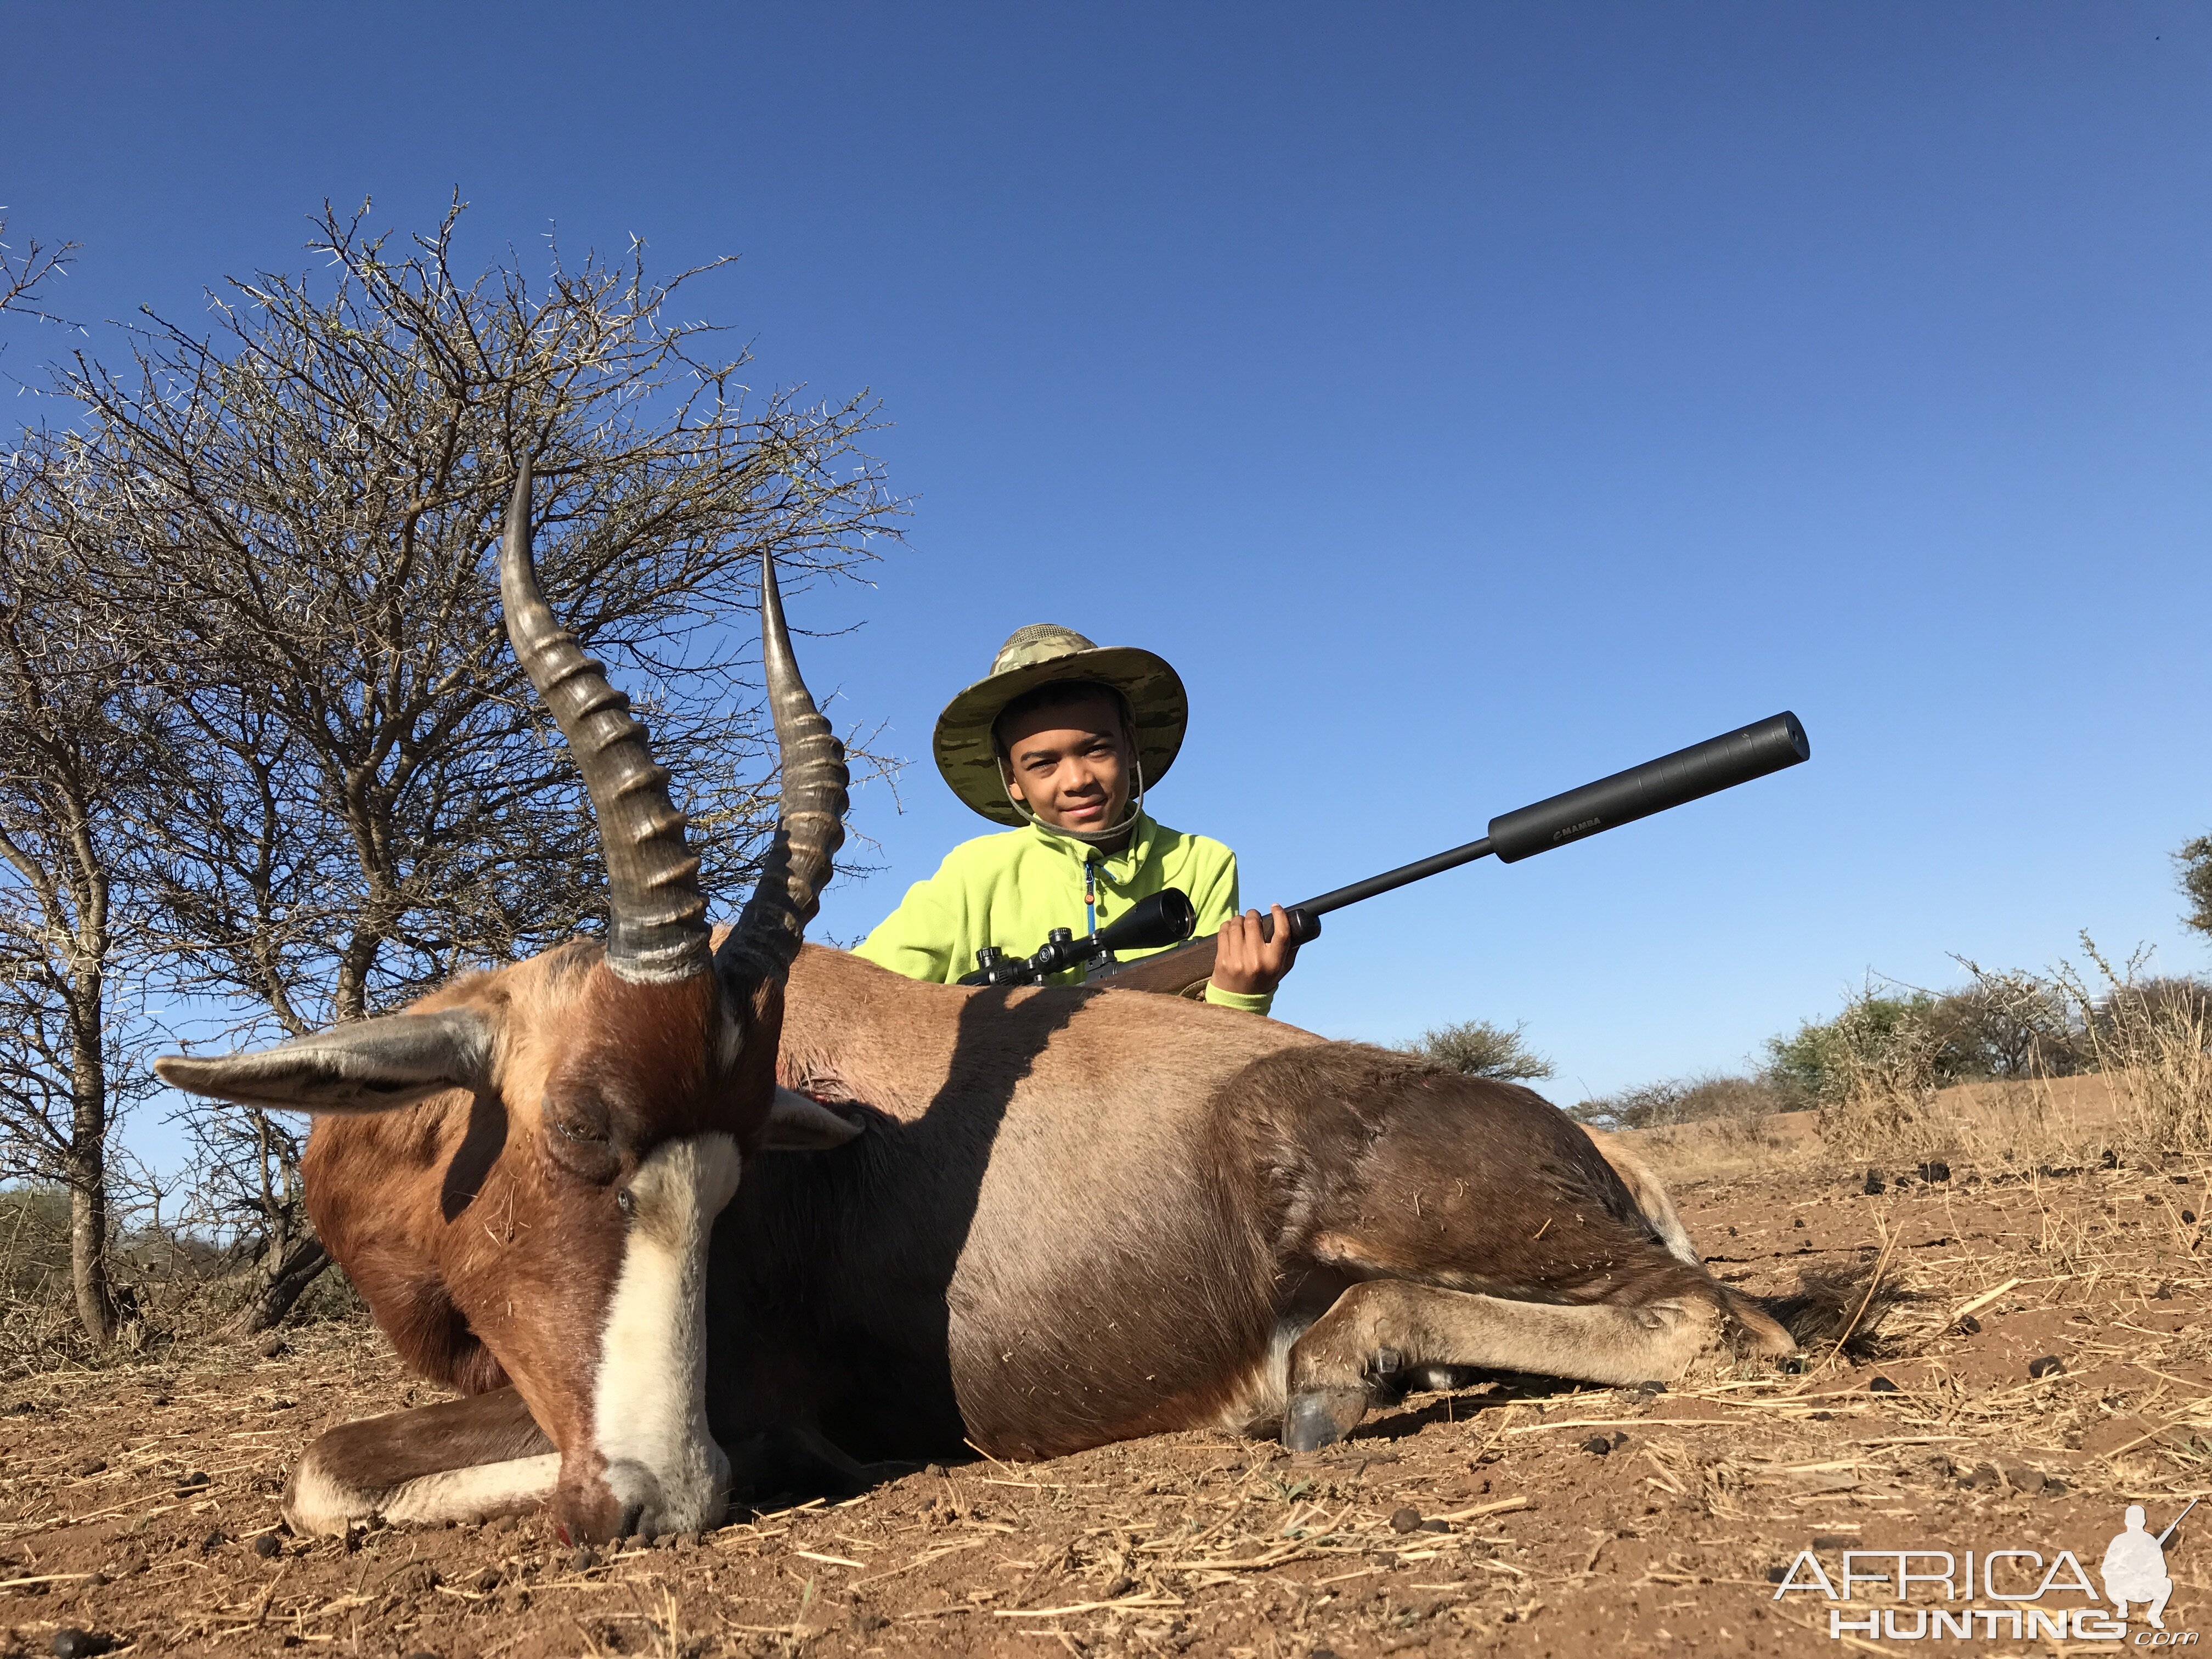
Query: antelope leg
461	1459
1389	1325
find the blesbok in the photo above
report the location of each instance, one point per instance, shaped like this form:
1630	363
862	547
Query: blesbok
1037	1219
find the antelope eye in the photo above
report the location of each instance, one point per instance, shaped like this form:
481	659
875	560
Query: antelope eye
580	1136
578	1117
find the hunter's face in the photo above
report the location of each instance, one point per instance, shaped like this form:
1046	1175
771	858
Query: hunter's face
1070	765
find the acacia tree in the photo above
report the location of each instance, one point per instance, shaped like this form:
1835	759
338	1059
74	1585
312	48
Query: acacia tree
66	757
368	796
1475	1047
69	760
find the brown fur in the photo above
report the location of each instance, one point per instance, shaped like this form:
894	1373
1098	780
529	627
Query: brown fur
1076	1215
1112	1202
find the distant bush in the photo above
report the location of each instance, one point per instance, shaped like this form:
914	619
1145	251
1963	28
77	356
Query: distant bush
171	1286
2170	998
2195	859
1816	1064
2003	1025
1475	1047
1683	1100
35	1224
1875	1069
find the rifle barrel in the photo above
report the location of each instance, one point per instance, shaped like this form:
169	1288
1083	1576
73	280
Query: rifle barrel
2176	1521
1703	769
1418	870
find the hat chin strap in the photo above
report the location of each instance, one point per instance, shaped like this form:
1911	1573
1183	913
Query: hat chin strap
1088	837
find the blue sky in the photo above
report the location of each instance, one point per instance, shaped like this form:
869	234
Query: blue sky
1470	401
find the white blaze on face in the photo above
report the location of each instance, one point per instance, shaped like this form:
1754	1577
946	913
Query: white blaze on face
650	1402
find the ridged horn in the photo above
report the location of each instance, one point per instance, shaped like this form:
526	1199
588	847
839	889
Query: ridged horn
812	826
656	916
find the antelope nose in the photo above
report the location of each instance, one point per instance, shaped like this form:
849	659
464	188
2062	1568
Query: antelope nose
638	1502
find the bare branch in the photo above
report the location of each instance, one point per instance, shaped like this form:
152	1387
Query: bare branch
23	273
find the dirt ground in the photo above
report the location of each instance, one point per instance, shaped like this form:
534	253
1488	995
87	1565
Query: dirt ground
140	1503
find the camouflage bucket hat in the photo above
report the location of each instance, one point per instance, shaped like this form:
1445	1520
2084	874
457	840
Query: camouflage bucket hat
1038	655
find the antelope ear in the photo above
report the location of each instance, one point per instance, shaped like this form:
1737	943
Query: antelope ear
372	1067
796	1124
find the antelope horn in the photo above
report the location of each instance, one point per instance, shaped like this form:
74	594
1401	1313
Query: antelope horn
656	916
811	824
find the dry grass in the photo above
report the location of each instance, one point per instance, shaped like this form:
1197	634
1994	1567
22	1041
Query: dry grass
1207	1545
2142	1050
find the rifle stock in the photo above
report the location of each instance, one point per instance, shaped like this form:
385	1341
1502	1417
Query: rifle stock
1184	970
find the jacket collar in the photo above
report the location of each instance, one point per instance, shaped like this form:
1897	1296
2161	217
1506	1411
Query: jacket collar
1120	867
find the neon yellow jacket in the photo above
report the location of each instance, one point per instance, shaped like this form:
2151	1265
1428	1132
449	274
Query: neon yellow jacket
1011	889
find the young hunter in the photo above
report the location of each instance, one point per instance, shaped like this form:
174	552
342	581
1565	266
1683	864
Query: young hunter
1060	741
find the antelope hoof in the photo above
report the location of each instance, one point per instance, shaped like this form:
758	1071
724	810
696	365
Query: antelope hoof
1322	1417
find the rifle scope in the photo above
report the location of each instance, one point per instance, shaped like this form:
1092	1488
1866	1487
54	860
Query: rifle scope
1150	924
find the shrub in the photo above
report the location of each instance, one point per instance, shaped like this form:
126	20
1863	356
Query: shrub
1475	1047
2005	1025
2195	859
1825	1060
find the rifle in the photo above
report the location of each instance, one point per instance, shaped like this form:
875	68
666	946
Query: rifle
1705	768
2178	1520
1163	919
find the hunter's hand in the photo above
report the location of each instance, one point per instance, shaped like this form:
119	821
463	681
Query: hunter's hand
1246	964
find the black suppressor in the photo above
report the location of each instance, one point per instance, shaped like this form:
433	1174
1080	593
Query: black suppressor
1150	924
1705	768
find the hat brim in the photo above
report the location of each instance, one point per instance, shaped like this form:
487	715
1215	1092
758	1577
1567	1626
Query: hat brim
969	762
